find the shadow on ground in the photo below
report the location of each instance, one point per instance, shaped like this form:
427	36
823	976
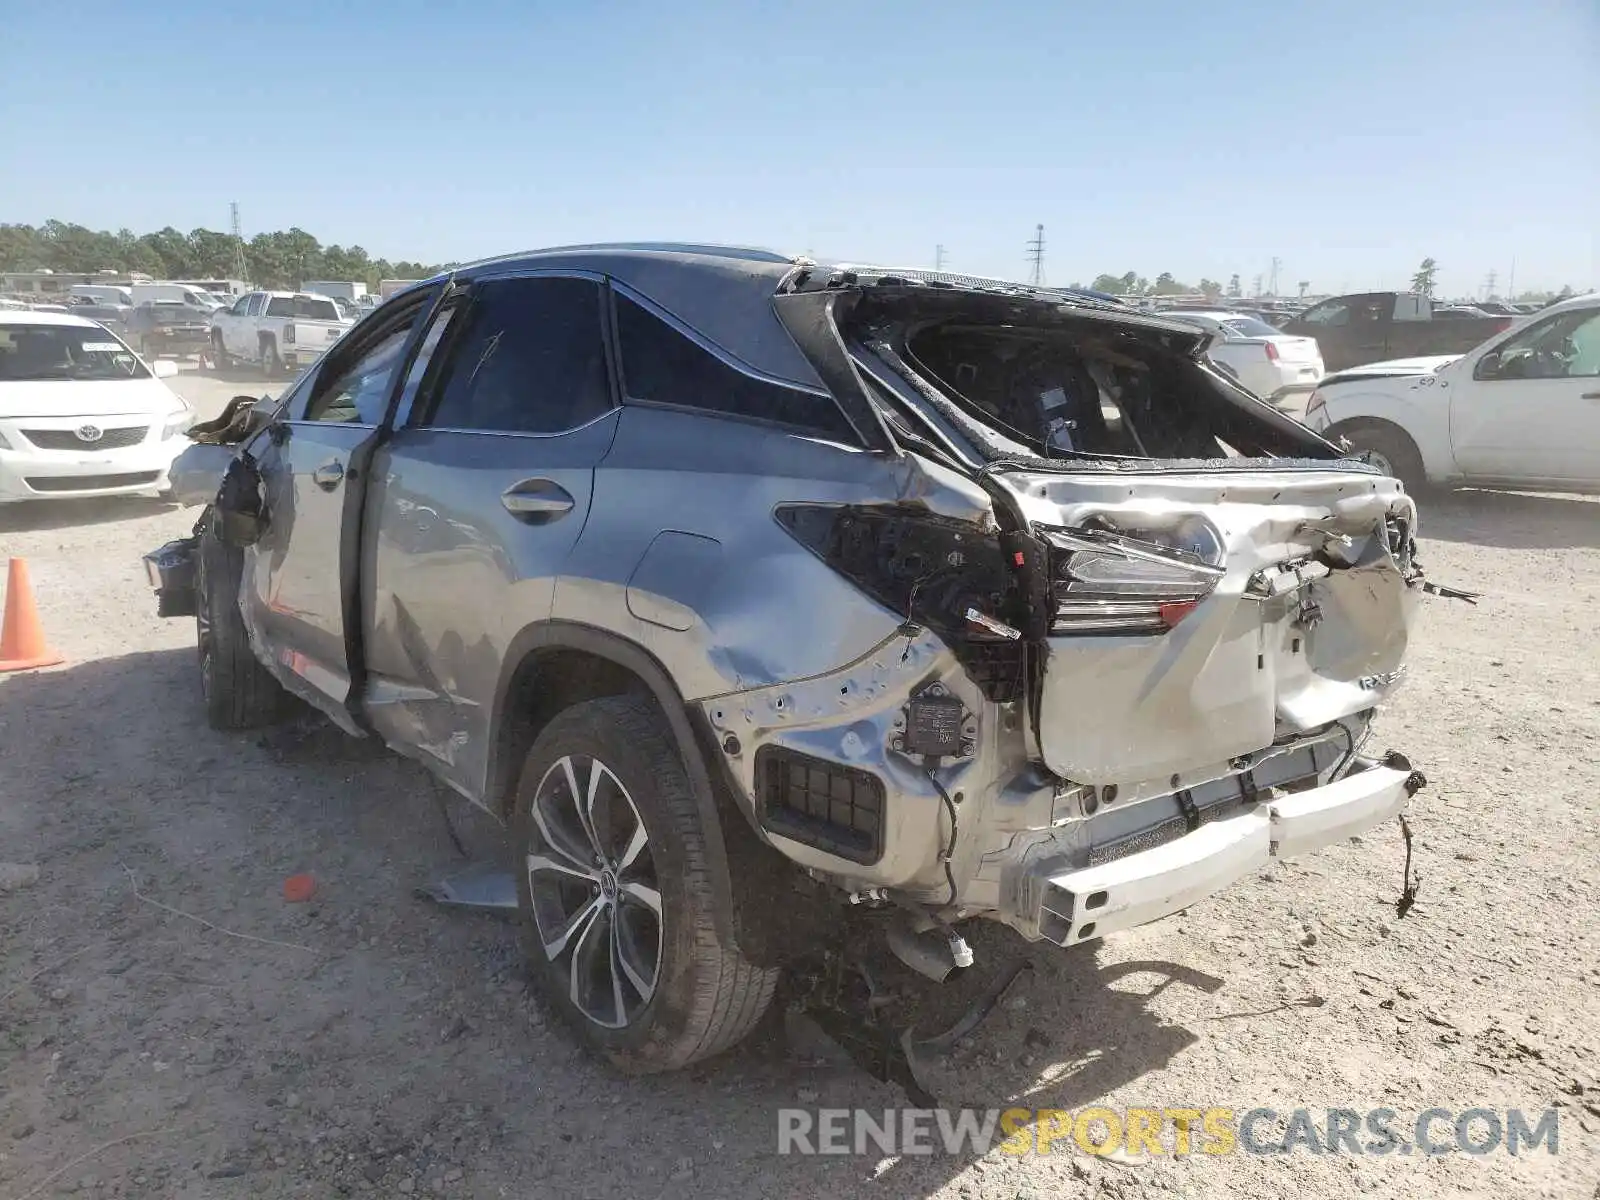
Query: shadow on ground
1511	520
409	1044
26	515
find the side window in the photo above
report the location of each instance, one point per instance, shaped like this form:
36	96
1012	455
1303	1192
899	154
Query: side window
531	359
359	391
252	306
1334	312
660	365
239	306
1561	347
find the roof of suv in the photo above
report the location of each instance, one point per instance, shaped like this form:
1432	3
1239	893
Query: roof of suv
723	294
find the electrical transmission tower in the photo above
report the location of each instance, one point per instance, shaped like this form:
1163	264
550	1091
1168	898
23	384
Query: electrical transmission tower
938	258
1272	287
1036	256
1488	284
238	243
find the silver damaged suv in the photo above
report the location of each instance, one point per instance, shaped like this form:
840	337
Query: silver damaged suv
728	580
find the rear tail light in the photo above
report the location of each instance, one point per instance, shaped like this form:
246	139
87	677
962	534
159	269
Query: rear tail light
1272	352
934	572
1128	581
1503	324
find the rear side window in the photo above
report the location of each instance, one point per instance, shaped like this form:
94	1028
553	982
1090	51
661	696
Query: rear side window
662	366
531	359
304	307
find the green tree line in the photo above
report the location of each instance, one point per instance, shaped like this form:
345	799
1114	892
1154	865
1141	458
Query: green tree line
284	259
1134	284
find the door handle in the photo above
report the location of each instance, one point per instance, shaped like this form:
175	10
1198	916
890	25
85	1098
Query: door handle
1591	395
328	475
536	501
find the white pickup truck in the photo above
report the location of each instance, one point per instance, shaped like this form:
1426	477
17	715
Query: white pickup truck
276	330
1520	410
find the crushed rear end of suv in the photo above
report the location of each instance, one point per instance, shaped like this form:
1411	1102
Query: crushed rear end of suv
743	588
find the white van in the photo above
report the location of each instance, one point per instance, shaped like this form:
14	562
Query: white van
149	293
102	293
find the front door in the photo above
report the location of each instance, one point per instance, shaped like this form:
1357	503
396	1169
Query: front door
476	502
1530	410
300	577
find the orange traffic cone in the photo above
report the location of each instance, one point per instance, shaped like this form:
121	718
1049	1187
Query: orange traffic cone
22	643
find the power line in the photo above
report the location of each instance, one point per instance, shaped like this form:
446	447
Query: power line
1036	256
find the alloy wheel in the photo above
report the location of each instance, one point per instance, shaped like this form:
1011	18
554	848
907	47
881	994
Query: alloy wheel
595	895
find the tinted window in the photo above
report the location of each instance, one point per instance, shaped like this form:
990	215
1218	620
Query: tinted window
662	366
1249	327
306	307
531	359
1335	312
253	305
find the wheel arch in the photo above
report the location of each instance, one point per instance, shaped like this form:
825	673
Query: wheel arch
1425	425
1339	430
551	666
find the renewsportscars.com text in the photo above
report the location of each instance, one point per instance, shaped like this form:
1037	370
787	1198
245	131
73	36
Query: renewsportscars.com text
1166	1131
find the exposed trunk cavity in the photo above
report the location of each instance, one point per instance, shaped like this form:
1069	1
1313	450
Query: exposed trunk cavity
1024	379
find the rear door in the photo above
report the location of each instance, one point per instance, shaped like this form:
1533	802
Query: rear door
239	329
477	501
300	577
1332	323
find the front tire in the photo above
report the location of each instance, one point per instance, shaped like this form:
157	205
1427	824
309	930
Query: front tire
220	359
615	893
1389	449
239	692
271	360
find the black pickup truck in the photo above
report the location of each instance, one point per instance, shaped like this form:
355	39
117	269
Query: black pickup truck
1370	327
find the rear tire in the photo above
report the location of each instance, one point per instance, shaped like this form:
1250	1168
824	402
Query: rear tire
1390	449
239	692
615	893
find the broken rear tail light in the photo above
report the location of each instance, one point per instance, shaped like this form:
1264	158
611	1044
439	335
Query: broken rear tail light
1115	582
946	575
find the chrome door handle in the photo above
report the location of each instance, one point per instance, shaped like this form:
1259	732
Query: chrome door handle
536	501
1591	395
328	475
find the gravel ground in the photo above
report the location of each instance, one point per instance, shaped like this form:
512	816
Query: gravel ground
367	1043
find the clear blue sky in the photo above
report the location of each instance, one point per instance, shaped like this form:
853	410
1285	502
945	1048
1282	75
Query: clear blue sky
1348	138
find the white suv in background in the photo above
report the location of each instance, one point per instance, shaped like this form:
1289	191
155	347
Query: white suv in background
80	413
1265	360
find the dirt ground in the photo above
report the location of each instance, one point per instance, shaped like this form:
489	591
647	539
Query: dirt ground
368	1043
